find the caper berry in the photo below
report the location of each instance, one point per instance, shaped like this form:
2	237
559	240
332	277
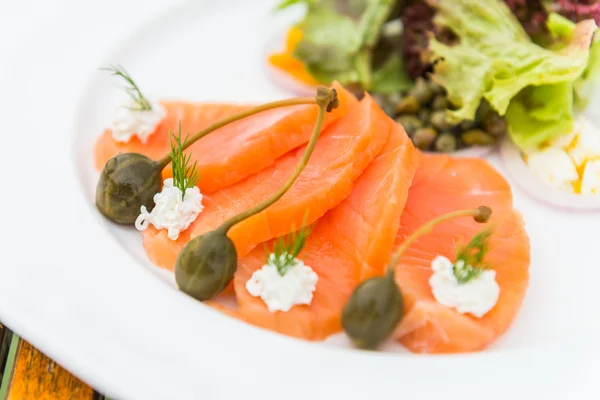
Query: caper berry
494	124
446	143
410	123
373	311
439	103
408	105
127	182
425	116
477	137
421	91
440	120
206	265
424	138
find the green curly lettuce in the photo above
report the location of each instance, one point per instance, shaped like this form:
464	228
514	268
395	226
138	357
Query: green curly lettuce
495	59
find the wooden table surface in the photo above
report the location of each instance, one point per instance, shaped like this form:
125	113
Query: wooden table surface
27	374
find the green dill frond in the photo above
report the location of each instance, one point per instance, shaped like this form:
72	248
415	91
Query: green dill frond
142	103
470	260
287	248
185	174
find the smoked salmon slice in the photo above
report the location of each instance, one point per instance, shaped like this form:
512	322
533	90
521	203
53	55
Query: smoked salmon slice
342	153
351	242
443	184
233	152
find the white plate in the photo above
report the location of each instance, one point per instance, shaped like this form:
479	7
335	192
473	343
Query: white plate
82	291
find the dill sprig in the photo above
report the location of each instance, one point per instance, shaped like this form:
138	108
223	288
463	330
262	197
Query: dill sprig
142	103
470	260
287	248
185	174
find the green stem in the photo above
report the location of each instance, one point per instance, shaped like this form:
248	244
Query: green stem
301	165
235	117
480	214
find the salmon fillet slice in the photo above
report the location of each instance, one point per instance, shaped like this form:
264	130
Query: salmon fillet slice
343	151
443	184
233	152
351	242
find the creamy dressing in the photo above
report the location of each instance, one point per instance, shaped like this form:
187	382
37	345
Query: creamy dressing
282	292
477	296
172	211
570	162
129	122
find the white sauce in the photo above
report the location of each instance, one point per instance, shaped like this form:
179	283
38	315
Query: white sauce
281	293
477	296
172	210
129	122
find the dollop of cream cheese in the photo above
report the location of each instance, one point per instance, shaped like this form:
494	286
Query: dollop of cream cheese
282	292
590	183
554	166
477	296
129	122
172	210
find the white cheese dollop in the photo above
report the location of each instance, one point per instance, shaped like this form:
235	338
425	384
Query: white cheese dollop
130	122
590	182
554	166
586	145
477	296
172	210
281	293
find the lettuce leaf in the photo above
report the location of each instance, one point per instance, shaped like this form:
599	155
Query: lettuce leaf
392	76
495	58
338	37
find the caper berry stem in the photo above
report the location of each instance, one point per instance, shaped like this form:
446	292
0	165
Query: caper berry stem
327	100
480	214
235	117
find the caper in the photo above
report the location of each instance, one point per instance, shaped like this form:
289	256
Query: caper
127	182
466	125
425	116
373	311
439	103
494	124
421	91
435	88
410	123
424	138
446	143
440	121
206	265
387	102
408	105
477	137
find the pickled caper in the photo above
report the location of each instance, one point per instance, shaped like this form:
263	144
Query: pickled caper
425	116
410	123
439	103
423	138
206	264
373	311
421	91
408	105
494	124
477	137
446	143
375	307
127	182
435	88
467	124
440	121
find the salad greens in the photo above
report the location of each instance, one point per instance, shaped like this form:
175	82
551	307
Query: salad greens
338	37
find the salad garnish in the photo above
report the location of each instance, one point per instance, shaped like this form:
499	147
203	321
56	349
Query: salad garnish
376	307
287	248
185	174
470	259
140	101
207	263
